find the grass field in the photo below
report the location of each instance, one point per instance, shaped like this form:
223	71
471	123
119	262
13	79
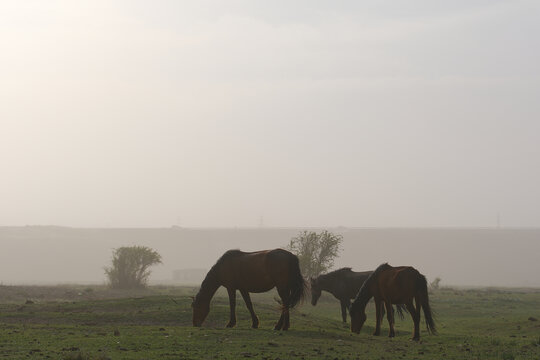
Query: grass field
93	323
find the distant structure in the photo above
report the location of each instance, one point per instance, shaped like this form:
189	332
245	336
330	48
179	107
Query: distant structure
189	276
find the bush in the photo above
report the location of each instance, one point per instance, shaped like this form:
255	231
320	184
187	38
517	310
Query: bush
130	267
316	252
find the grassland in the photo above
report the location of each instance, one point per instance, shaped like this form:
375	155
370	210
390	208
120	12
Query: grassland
93	323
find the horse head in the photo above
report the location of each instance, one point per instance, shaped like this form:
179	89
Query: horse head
358	317
200	311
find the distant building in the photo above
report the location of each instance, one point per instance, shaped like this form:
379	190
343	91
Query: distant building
189	276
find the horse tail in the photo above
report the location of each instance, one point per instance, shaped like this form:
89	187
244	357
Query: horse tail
400	310
297	284
423	298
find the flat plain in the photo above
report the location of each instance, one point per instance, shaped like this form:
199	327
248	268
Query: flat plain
78	322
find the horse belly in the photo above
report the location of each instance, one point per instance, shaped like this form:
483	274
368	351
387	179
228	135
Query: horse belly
255	282
389	291
398	289
260	289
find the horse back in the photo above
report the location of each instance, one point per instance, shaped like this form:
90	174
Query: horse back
398	283
343	283
257	271
354	281
400	275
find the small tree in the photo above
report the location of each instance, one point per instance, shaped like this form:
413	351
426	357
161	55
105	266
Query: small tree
434	285
130	266
316	252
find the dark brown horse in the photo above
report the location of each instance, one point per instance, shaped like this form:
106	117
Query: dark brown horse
254	272
344	284
393	285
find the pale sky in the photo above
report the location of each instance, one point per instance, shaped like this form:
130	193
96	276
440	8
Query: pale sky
306	113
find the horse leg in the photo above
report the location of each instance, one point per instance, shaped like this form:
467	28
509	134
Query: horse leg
286	319
287	322
379	313
418	314
390	317
279	324
283	322
232	304
415	314
249	305
345	303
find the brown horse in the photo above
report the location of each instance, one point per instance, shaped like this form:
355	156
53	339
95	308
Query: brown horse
254	272
344	284
393	285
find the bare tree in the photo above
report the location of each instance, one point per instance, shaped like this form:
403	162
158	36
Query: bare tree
316	251
434	285
130	266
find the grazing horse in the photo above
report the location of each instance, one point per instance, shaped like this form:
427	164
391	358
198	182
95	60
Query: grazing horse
344	284
393	285
254	272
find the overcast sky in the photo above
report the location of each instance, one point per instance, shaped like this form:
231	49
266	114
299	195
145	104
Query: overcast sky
305	113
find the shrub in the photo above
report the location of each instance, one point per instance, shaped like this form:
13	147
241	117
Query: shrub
316	252
130	267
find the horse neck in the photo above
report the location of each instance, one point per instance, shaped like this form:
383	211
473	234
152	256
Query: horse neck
327	284
361	276
365	294
209	286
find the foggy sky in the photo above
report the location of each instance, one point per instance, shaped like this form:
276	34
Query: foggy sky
311	113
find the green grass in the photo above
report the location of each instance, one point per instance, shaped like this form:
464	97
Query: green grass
473	324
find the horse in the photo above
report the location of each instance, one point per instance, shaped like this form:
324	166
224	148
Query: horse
252	272
344	284
393	285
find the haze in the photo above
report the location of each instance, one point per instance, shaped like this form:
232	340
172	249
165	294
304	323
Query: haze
137	114
470	257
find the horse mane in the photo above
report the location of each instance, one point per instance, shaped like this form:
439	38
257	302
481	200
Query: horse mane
228	254
378	270
363	293
211	275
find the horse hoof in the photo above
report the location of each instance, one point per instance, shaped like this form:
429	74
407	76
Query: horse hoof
255	326
376	334
229	325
